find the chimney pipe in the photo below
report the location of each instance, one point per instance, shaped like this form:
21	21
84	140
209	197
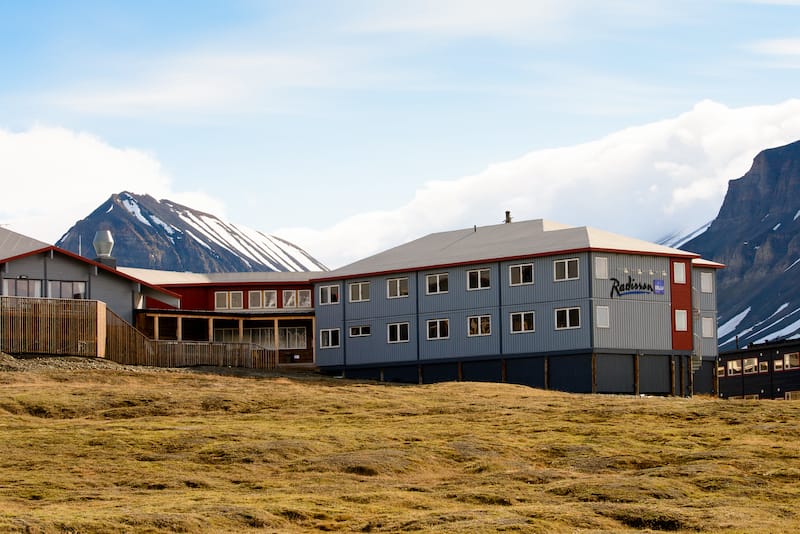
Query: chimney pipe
508	217
103	244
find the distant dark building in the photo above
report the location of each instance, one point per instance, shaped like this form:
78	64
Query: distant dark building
761	371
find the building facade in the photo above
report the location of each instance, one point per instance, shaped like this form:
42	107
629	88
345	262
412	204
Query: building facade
534	302
761	371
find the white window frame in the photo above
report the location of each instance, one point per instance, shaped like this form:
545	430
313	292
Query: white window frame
602	317
707	327
601	267
438	323
398	328
294	333
566	262
355	291
325	338
520	268
236	295
224	295
678	272
681	321
326	295
479	321
438	277
289	298
253	296
522	315
394	287
733	367
791	360
479	279
566	311
362	330
304	298
706	282
270	298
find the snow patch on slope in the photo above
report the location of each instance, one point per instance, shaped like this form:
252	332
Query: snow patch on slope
731	324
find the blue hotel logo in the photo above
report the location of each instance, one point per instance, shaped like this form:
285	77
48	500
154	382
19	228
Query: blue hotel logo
634	287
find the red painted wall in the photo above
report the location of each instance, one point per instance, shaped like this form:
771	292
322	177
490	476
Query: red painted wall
682	300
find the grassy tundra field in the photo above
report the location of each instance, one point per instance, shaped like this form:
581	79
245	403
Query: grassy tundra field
94	447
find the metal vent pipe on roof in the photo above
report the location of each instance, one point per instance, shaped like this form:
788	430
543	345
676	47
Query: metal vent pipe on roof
508	217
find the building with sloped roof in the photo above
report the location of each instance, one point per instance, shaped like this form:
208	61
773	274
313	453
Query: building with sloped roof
532	302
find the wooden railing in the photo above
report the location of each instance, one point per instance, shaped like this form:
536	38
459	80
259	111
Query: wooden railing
48	326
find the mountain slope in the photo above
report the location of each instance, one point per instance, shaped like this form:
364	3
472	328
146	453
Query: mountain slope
757	236
161	234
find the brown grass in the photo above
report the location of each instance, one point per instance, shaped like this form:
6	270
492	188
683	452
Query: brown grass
120	449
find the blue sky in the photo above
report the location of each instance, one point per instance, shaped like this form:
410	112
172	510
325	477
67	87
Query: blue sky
351	126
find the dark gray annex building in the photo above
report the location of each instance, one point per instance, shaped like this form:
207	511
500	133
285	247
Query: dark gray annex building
768	370
532	302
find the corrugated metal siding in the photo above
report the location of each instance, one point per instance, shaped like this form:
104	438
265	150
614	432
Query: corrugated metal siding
379	305
459	344
646	269
544	288
634	324
457	296
375	347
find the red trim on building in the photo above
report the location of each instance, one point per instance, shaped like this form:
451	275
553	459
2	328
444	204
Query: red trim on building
681	300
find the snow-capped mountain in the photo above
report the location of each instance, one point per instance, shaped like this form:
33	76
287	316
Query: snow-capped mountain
161	234
757	236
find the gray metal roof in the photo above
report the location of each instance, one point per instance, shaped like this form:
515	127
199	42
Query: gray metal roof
166	278
498	242
13	244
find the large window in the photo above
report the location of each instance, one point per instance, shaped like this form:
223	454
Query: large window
734	367
228	300
601	267
303	298
568	318
706	283
478	279
66	290
791	360
270	298
359	292
254	299
521	274
750	366
681	321
289	298
262	299
602	317
292	337
436	283
396	288
565	269
329	338
328	294
22	287
479	325
707	327
397	332
438	329
679	272
523	322
360	331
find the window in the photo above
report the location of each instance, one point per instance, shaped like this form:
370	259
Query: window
763	366
478	279
681	324
329	338
565	269
734	367
270	298
22	287
720	370
292	337
66	290
706	283
254	299
707	327
439	329
220	300
750	366
329	294
601	268
679	272
304	298
777	365
521	274
437	283
396	288
479	325
237	300
289	298
359	292
791	360
568	318
397	332
360	331
522	322
602	317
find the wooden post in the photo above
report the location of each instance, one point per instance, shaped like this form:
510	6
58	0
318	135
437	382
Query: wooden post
211	329
547	372
241	330
503	370
636	390
460	372
672	375
155	327
179	329
594	373
276	343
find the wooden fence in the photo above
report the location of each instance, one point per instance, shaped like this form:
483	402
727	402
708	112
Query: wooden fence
69	327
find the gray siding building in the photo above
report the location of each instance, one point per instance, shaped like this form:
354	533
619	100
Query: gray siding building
532	302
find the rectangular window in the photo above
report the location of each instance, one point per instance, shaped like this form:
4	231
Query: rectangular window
360	331
706	283
565	269
707	327
777	365
436	283
329	338
734	367
304	298
763	366
22	287
601	268
479	325
237	300
750	366
292	337
521	274
359	292
397	288
66	290
478	279
438	328
254	299
678	272
270	298
328	294
720	370
602	317
681	322
522	322
289	298
220	300
791	360
397	332
568	318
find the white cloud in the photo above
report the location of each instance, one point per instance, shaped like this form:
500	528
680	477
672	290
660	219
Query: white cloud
645	182
777	47
54	177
